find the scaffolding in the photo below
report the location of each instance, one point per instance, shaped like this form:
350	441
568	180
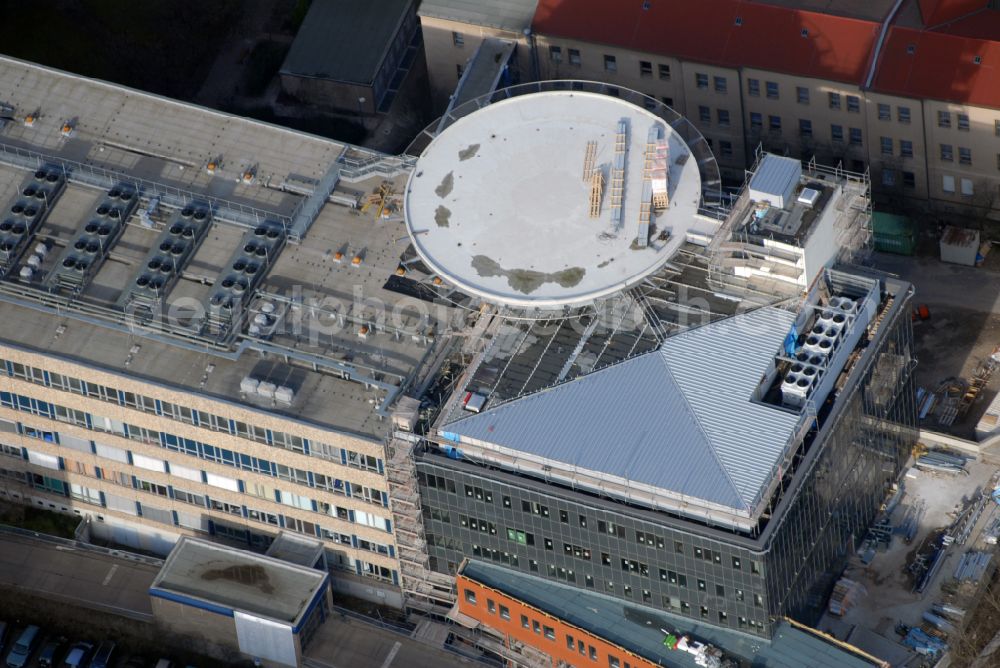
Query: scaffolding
742	258
423	589
596	191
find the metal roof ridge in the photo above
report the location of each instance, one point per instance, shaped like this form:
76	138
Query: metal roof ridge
701	428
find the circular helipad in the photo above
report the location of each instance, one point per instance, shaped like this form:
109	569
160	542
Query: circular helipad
546	200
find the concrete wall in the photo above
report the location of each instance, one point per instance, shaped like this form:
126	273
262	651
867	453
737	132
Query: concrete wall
329	93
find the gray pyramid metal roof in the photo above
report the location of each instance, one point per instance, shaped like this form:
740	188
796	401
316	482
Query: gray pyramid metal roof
679	418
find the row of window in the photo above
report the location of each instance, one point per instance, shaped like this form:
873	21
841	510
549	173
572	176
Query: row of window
177	412
198	449
774	124
111	473
544	630
565	517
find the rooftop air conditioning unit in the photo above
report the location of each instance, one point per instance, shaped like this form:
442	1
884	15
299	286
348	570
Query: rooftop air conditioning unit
844	305
266	389
249	385
284	394
808	197
797	385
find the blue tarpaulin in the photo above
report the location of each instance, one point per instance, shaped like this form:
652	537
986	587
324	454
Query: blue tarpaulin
791	340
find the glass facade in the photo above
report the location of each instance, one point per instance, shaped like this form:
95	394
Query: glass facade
739	581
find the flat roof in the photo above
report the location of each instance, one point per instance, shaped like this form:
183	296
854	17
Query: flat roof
296	549
689	401
640	629
510	15
239	580
498	204
145	139
345	40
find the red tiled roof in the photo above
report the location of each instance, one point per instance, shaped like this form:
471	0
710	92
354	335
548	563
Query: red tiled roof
942	66
769	37
934	12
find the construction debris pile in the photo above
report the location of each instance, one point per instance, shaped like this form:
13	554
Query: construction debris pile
845	594
924	643
705	655
953	397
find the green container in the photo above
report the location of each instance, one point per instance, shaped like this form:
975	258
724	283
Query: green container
893	233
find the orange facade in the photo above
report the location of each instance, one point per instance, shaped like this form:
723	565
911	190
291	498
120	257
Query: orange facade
565	643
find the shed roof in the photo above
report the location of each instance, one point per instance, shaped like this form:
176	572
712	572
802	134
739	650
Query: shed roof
345	40
679	418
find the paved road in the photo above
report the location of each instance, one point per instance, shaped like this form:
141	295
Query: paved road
86	578
936	282
346	643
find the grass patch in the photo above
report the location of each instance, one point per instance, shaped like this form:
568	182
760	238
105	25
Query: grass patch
262	65
39	520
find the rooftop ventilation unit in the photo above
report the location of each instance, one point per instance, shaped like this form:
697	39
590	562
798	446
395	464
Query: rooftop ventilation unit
808	197
83	257
249	385
165	261
236	284
26	211
844	305
798	384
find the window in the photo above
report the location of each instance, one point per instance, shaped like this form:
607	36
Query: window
758	600
457	39
772	90
888	177
725	148
909	180
805	127
645	68
664	71
963	122
491	606
574	57
753	87
944	119
703	610
723	117
964	155
802	94
704	114
701	80
948	183
756	122
536	626
593	652
610	64
905	148
855	137
884	112
853	104
886	144
555	54
702	586
669	101
470	596
504	612
967	187
996	128
774	123
721	85
524	622
549	632
834	99
947	152
903	114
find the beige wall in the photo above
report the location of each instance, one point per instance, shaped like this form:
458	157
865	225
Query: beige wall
982	141
86	476
445	57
